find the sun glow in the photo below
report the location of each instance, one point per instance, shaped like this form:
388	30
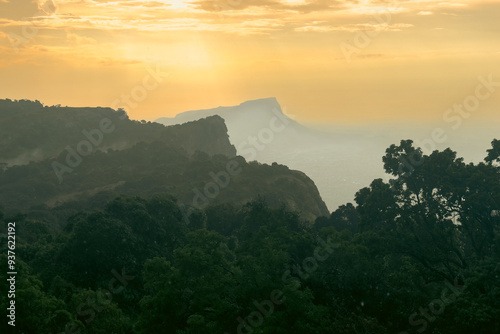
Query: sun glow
236	50
176	4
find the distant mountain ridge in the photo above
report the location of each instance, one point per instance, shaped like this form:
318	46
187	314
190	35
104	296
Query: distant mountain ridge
261	131
247	118
257	108
336	162
91	155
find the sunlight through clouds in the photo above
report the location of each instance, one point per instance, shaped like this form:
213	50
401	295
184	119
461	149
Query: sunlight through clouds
264	45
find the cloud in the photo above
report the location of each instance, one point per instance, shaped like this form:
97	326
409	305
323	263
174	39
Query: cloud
319	5
49	7
152	4
125	3
356	27
100	21
283	5
146	24
370	55
115	61
78	39
19	9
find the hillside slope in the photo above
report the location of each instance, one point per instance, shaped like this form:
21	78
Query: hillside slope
33	132
261	131
194	162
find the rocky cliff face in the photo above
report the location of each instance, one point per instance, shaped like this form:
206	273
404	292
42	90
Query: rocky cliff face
261	131
207	135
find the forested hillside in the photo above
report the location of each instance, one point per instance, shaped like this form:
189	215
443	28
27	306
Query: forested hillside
34	132
91	155
418	254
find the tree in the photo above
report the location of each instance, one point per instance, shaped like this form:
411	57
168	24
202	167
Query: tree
35	311
195	291
98	244
493	152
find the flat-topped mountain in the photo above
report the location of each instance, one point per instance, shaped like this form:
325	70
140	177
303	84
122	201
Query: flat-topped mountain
254	125
250	113
261	131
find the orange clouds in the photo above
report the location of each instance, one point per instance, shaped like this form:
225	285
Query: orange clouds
226	51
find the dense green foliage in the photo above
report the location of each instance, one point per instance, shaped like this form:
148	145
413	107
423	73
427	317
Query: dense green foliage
418	254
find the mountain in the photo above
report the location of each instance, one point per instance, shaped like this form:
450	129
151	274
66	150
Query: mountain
340	163
89	155
253	115
253	125
33	132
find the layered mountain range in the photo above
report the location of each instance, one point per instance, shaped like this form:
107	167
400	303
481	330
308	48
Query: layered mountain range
339	163
54	156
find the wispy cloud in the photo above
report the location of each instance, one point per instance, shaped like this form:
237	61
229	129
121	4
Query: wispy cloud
356	27
274	5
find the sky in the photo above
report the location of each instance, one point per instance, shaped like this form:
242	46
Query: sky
356	62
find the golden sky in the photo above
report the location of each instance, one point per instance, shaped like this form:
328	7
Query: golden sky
325	61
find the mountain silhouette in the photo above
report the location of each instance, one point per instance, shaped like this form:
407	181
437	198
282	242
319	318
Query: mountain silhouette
261	131
88	152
